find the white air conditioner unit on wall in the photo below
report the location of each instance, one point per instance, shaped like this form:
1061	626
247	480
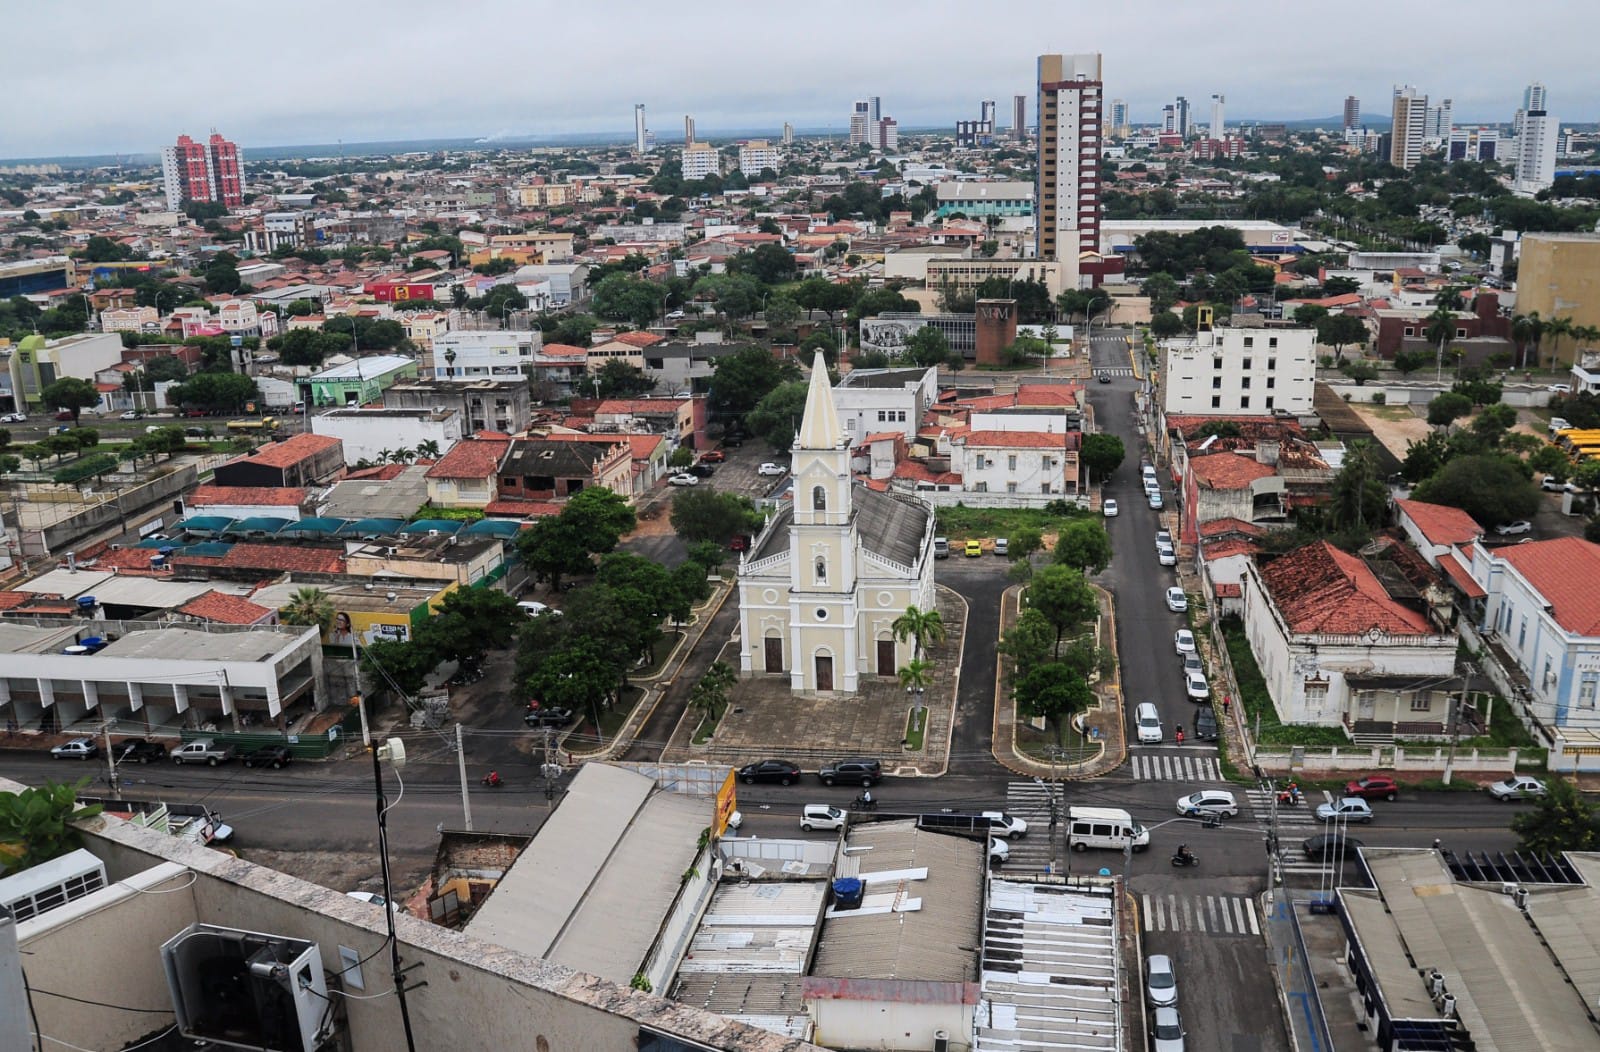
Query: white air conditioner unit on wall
244	989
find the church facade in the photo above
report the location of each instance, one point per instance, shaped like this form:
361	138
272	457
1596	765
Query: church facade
824	581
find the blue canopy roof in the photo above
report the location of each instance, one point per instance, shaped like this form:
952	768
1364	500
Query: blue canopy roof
209	549
203	524
424	525
315	526
371	528
501	528
258	524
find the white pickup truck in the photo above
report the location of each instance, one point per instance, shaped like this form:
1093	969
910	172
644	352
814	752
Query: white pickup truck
202	750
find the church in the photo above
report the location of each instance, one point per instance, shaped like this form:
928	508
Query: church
822	584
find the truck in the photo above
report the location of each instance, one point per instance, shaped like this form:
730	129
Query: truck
265	423
202	750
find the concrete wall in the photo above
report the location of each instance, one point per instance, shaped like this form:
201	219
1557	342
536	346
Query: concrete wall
1559	276
1416	760
476	996
888	1024
129	502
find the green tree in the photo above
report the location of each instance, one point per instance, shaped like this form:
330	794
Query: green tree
929	346
1165	325
403	666
1062	595
1084	545
469	623
1339	331
164	368
705	514
1054	692
769	264
782	313
601	517
1448	407
777	417
222	274
1492	489
1023	542
225	391
617	379
915	674
827	296
1562	820
924	627
1359	497
1308	314
1162	290
1029	641
39	824
1550	460
310	607
1360	372
69	392
1102	453
735	295
620	297
742	379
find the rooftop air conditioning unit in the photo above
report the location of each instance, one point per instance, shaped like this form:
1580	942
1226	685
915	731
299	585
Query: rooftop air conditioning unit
243	989
433	533
41	888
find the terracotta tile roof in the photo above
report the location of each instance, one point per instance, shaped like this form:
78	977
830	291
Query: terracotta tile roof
291	450
641	406
531	509
1226	471
381	473
1218	527
1440	523
1223	549
1461	576
1048	394
277	557
563	350
478	457
225	609
124	560
1565	572
639	339
1016	439
882	436
640	447
1320	589
11	600
1249	426
917	471
1229	590
281	496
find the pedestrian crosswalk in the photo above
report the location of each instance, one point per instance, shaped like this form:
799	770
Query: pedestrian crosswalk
1174	766
1114	370
1214	914
1290	816
1030	801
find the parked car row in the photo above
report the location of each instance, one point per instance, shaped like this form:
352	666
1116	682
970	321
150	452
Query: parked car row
783	772
201	750
1161	994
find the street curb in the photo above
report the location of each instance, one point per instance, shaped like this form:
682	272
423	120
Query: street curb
955	686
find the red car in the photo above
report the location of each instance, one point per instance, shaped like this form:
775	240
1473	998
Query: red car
194	414
714	456
1372	787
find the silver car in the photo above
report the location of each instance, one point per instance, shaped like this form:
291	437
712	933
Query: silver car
1161	982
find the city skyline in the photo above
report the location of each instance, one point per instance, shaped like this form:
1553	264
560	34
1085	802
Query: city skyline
296	96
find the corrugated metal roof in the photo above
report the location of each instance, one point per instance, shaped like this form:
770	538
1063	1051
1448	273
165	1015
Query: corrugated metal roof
1051	969
937	941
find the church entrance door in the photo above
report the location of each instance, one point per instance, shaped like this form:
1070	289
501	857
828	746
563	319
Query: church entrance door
824	672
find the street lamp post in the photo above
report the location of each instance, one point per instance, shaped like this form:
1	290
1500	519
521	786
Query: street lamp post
450	362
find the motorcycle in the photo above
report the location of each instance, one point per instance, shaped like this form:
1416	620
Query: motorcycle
1188	858
493	781
1291	796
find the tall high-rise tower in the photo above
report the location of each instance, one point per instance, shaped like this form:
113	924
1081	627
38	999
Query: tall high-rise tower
861	123
1180	111
1217	117
1117	122
641	135
1352	113
788	134
1439	122
1536	143
688	130
1070	136
1169	118
208	171
1019	117
987	112
874	110
1410	121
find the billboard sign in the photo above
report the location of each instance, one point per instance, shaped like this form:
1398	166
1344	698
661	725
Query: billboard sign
727	803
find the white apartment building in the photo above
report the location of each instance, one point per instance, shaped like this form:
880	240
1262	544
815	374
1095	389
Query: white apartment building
1240	372
700	159
1536	151
129	319
872	401
1410	124
367	432
239	318
1021	468
759	154
462	354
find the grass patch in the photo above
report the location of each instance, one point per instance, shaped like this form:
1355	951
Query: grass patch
916	728
1037	744
1258	703
611	719
961	523
707	727
658	653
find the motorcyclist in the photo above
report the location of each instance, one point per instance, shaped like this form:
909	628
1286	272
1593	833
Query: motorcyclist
865	799
493	780
1183	852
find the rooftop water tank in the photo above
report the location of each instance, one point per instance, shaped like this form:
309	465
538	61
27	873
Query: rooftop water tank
848	893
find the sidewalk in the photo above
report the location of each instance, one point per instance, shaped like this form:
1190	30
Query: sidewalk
1316	991
1106	719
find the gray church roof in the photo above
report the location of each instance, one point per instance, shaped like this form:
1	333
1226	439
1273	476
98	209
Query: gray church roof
889	525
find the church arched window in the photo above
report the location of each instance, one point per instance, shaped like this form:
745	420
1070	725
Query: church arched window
819	498
822	570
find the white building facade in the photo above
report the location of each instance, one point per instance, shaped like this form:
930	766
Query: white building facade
700	159
871	401
461	354
824	581
366	433
1240	372
758	154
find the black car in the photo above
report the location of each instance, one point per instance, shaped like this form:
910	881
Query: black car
273	756
140	750
703	471
1328	846
1104	378
852	772
733	439
781	771
1205	725
547	717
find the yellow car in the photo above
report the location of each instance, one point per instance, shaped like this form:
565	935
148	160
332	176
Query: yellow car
974	548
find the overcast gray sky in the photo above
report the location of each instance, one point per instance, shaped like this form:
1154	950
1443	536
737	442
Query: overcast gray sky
105	78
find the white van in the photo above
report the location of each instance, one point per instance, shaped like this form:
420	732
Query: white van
1110	828
821	816
1148	722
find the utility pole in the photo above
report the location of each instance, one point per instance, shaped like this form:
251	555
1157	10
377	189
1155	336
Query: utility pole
111	762
550	769
1054	753
1455	736
461	767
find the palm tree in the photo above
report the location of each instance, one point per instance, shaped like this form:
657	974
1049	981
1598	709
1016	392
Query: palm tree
403	455
914	674
1526	331
1556	328
1441	330
1586	336
428	450
309	607
926	627
385	455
